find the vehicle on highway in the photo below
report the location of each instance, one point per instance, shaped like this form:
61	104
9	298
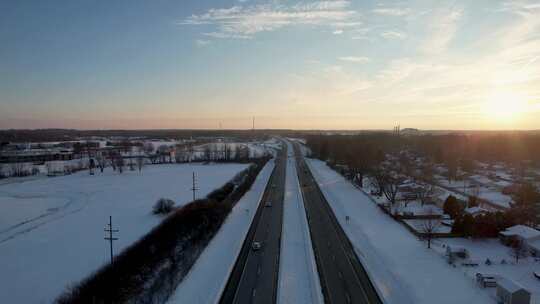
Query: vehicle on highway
256	246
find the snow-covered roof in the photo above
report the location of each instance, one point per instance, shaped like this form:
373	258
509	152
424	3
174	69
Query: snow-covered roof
475	210
510	285
522	231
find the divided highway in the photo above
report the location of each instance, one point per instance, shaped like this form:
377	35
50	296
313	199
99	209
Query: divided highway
255	274
343	279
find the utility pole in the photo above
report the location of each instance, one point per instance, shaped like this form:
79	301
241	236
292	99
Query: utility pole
110	238
194	186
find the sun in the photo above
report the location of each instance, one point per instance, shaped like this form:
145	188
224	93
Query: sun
505	106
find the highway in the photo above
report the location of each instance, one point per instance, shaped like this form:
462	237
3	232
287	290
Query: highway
255	273
343	279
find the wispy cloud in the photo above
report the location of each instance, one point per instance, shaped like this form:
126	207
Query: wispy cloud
392	11
354	59
200	42
393	35
246	21
443	27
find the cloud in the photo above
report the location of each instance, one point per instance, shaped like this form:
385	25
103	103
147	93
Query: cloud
392	11
443	27
354	59
200	42
245	21
393	35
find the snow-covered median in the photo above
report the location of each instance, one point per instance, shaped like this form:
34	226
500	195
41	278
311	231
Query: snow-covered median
207	278
402	268
55	234
298	276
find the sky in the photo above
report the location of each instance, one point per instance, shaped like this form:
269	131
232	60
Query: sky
139	64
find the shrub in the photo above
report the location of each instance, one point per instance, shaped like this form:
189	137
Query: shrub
221	193
163	206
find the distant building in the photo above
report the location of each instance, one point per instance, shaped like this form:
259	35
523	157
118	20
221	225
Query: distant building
510	292
36	155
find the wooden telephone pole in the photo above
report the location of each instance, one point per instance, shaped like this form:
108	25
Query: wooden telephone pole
194	187
109	229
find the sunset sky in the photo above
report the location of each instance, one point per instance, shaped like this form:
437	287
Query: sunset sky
291	64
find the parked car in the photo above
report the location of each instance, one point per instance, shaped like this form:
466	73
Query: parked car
268	204
256	246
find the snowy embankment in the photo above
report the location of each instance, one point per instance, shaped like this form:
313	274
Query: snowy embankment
401	267
51	229
298	276
207	278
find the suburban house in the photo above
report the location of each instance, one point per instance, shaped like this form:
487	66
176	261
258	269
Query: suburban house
510	292
522	233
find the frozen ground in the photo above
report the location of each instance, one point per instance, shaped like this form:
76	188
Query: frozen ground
401	267
480	250
51	229
298	276
207	278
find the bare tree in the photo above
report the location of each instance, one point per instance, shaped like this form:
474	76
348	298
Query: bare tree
227	152
101	162
140	162
430	226
18	169
119	160
91	166
425	193
519	250
207	152
390	189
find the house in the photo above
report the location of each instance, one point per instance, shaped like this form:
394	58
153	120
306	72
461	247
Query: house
510	292
521	233
475	211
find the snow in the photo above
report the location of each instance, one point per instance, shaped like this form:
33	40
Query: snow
509	285
525	232
402	269
419	226
51	229
298	276
207	278
492	249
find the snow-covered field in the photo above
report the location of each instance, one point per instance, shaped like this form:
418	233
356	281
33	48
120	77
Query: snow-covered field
298	276
51	229
207	278
401	267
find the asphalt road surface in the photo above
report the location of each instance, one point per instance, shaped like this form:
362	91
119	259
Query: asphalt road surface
255	274
343	279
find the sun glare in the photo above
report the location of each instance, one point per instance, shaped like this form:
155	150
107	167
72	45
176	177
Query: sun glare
505	106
